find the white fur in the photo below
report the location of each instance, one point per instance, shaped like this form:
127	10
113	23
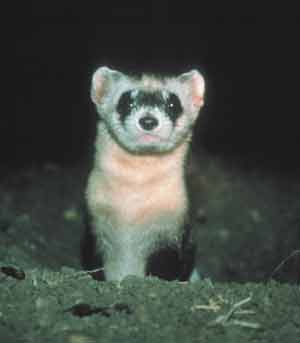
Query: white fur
137	200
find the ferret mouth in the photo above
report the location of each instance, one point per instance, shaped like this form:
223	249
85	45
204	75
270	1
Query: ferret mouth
147	138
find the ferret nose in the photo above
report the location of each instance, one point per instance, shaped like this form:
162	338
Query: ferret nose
148	122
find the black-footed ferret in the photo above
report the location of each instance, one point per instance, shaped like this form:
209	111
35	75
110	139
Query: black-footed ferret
136	193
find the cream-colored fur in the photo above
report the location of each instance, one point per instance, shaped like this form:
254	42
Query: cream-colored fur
137	202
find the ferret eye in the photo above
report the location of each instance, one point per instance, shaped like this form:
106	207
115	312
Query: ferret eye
174	108
125	104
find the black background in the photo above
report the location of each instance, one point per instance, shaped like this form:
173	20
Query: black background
250	62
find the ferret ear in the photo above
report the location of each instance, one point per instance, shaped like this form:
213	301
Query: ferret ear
197	85
100	80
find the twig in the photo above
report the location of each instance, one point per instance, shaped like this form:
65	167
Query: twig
292	254
227	320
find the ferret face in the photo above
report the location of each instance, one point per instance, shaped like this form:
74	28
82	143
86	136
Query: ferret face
147	115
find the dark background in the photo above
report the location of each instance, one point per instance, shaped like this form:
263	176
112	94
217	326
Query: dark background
250	62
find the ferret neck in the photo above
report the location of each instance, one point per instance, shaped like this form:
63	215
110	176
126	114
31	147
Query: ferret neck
114	160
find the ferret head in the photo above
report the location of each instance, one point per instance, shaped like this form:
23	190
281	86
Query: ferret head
148	115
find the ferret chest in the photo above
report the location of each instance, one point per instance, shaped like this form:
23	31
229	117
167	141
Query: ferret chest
137	190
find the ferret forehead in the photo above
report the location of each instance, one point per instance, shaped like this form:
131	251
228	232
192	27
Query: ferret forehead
152	83
148	84
165	85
